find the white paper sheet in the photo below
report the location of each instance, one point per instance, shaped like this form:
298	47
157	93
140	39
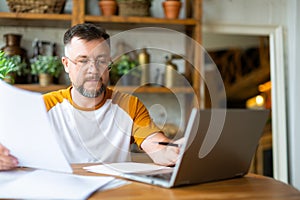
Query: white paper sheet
117	169
42	184
10	176
114	184
26	131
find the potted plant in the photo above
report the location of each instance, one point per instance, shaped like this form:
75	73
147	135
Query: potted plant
134	7
108	7
6	67
10	66
46	67
124	69
20	71
171	8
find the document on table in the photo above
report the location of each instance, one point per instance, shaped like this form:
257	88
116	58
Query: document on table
43	184
26	130
117	169
27	133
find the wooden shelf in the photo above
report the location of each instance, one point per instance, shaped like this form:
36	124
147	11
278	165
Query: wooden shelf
35	19
154	89
35	16
128	89
140	20
124	23
38	88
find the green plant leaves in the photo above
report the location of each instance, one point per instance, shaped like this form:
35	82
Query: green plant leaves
46	64
7	65
124	65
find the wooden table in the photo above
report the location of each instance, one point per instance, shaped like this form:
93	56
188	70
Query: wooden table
249	187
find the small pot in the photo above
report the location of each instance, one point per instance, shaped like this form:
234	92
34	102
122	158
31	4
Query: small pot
172	8
45	79
108	7
10	78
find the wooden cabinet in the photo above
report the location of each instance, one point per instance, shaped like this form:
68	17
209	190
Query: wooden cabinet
191	25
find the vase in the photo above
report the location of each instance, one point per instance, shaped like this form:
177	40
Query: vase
108	7
144	60
171	8
12	48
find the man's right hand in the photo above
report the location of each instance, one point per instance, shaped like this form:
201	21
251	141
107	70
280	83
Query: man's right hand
7	161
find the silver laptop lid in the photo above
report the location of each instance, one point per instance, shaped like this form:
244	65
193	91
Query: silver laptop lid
220	145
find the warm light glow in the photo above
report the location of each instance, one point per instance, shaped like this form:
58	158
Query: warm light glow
259	100
265	87
256	102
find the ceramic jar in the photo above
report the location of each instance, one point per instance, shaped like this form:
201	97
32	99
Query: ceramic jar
12	47
108	7
171	8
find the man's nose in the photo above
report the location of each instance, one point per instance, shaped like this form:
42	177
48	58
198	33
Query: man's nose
92	66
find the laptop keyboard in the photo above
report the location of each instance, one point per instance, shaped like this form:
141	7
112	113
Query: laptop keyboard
164	176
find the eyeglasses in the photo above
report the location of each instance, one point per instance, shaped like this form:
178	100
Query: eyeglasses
101	63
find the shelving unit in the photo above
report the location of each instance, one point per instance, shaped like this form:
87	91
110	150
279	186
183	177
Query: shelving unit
141	20
191	26
35	19
35	16
128	89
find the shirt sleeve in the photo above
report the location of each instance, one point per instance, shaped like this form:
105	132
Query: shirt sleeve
143	125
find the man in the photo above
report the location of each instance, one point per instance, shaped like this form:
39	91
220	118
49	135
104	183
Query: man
94	123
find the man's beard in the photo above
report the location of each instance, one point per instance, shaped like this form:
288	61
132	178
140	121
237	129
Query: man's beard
90	93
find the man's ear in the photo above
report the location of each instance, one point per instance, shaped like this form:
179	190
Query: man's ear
64	61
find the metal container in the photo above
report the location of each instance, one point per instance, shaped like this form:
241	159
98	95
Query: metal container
170	73
144	60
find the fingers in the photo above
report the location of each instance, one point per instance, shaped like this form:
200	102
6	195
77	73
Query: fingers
170	155
166	156
162	154
173	155
7	161
3	150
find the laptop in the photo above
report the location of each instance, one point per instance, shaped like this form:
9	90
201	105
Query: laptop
219	145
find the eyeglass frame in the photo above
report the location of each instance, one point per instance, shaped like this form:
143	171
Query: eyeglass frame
108	67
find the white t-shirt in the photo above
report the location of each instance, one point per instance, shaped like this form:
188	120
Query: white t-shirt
101	134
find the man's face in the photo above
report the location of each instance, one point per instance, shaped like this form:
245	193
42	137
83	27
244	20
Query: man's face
87	62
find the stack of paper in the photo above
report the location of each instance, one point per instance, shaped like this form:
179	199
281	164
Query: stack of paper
42	184
27	133
26	130
117	169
